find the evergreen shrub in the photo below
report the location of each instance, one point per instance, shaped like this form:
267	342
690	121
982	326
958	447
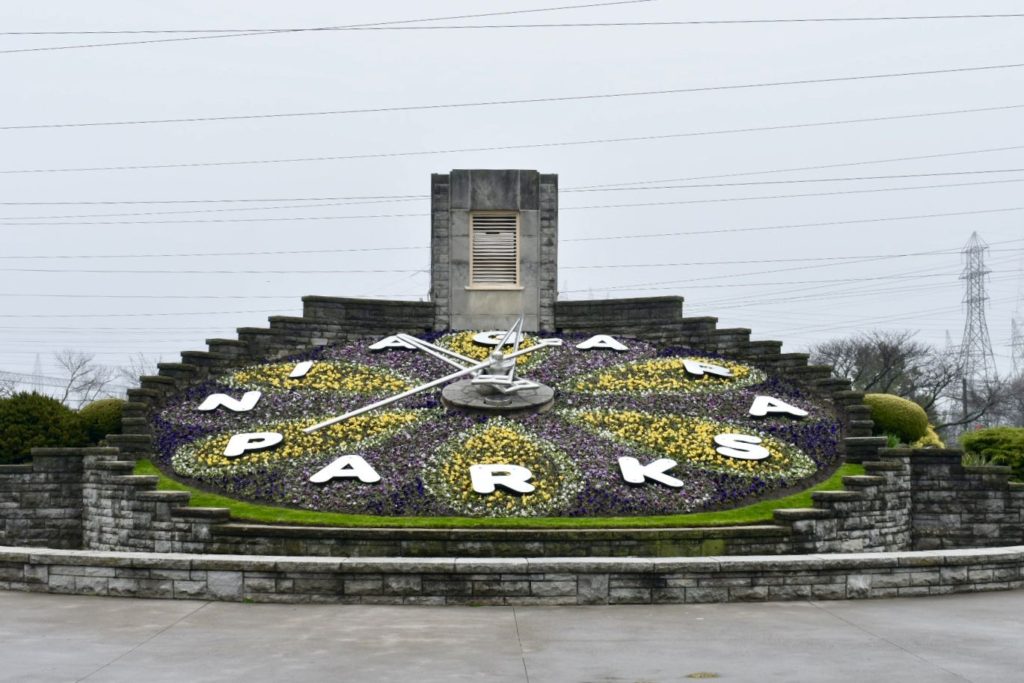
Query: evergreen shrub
29	420
898	416
997	446
101	418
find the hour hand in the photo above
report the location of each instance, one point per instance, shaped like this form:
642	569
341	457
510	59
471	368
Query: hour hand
447	355
391	399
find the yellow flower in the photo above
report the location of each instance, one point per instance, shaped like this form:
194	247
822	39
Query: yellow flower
691	440
664	375
341	376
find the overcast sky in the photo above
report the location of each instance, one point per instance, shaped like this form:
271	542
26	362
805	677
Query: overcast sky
53	250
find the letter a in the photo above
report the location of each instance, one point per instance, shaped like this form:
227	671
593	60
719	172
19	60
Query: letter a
512	477
741	447
240	444
392	342
248	402
602	341
635	473
766	404
347	467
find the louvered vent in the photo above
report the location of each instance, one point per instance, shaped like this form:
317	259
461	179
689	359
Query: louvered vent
495	258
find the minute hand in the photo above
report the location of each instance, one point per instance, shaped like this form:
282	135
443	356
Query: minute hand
397	397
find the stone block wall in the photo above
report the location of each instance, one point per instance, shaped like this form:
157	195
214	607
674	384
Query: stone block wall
510	581
872	514
124	511
41	502
961	507
908	499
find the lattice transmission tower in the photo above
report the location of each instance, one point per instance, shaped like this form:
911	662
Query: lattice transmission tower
1017	325
977	361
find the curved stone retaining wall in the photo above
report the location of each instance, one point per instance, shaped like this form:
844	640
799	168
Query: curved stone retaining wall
908	499
511	581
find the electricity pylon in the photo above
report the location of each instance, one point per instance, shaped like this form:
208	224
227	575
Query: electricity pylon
977	363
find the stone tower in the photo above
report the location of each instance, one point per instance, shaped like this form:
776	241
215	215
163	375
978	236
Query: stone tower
494	249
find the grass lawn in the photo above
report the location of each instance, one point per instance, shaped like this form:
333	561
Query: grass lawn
750	514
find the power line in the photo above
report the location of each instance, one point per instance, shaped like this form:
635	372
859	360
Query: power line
536	145
782	196
830	259
218	253
771	284
719	200
694	22
676	283
682	233
243	271
530	100
134	315
224	220
793	226
188	297
604	189
580	188
265	32
791	181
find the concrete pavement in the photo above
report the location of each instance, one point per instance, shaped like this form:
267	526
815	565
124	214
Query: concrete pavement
950	638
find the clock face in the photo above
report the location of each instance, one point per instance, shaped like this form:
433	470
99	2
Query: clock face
634	429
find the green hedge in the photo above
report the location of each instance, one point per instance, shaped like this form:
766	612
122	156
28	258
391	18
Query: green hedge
28	420
101	418
998	446
898	416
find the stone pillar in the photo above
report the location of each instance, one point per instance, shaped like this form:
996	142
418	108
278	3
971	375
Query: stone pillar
462	304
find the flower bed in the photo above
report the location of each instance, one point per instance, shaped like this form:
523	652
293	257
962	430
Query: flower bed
639	403
500	441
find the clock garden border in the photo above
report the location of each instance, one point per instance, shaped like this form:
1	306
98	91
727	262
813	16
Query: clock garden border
919	514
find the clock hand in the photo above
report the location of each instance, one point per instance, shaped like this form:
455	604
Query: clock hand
516	334
444	354
397	397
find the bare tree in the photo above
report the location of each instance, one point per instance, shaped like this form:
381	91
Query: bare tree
980	404
137	366
894	363
1010	410
8	387
887	362
83	379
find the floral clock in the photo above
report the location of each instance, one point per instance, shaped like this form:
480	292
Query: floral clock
633	429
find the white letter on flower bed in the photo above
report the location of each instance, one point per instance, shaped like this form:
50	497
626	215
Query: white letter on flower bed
347	467
247	402
635	473
240	444
740	446
602	341
766	404
494	337
301	369
698	368
392	342
512	477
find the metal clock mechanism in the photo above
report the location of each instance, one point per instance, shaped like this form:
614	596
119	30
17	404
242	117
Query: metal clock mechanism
523	427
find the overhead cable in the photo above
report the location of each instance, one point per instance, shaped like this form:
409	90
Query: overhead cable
536	145
718	200
267	32
529	100
796	181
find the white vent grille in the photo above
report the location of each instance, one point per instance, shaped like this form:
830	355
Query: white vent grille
495	257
